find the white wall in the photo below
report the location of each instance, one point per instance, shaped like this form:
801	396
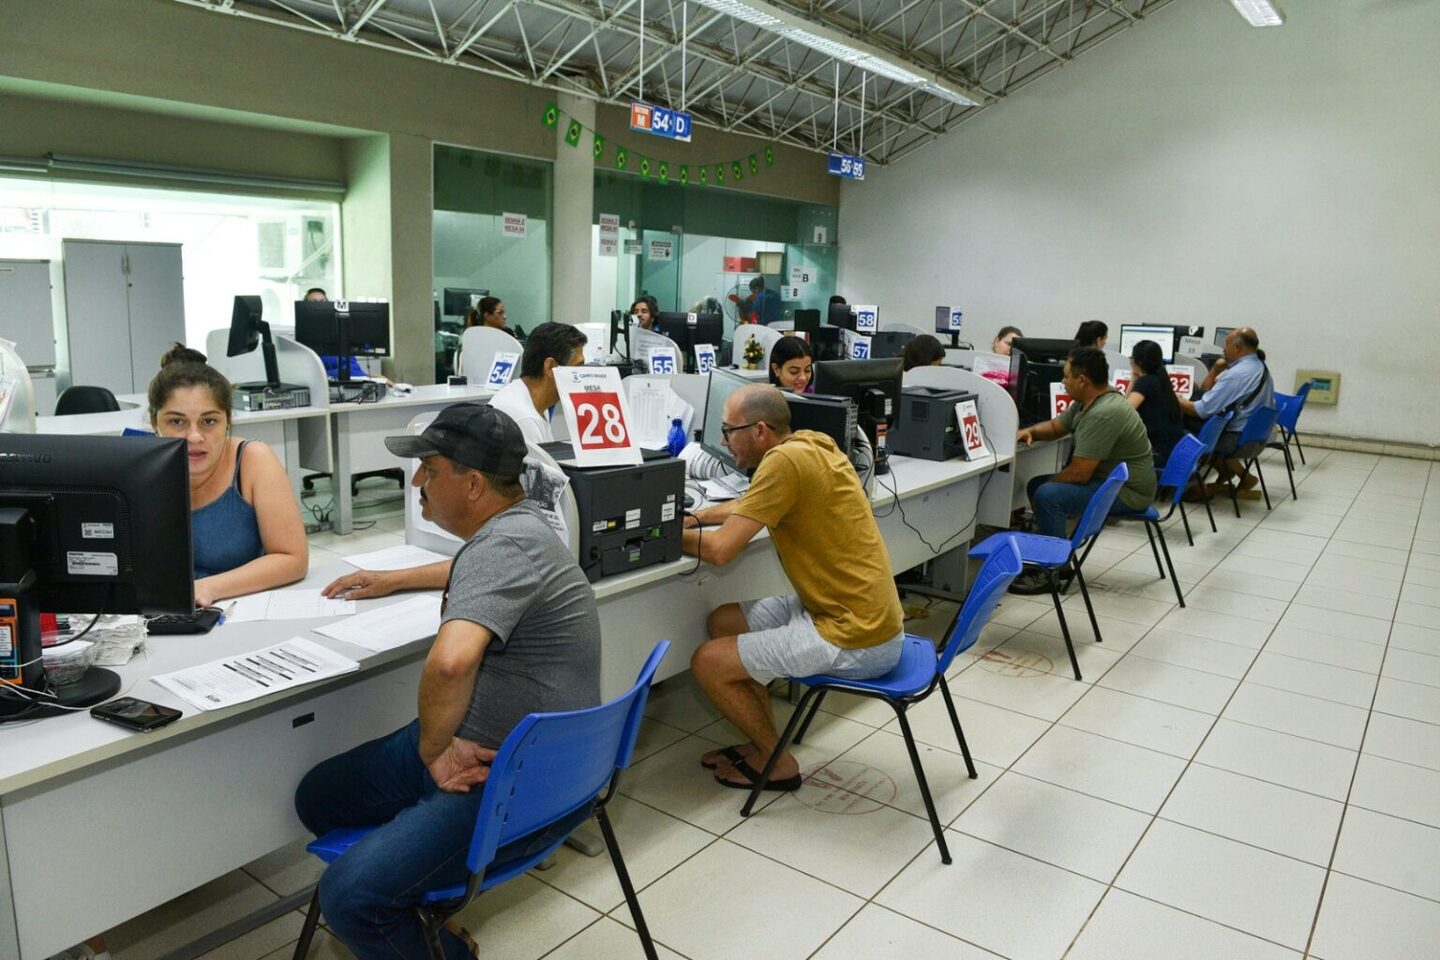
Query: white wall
1197	170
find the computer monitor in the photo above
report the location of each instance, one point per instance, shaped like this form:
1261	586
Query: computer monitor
722	383
88	524
827	343
841	315
889	343
874	385
1220	334
618	322
1131	334
460	299
343	329
677	327
248	331
807	322
1036	363
833	416
709	328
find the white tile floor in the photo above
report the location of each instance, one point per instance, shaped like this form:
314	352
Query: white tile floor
1254	776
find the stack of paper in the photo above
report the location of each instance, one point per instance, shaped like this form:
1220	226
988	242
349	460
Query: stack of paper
391	626
301	604
395	558
249	676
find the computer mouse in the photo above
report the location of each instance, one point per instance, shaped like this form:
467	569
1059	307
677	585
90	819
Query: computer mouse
402	388
689	502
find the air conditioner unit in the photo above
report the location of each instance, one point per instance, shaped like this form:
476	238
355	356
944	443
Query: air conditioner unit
293	247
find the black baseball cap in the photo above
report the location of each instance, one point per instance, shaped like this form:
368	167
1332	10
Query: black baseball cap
475	435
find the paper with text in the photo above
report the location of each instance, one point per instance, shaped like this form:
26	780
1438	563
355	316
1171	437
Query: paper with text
249	676
391	626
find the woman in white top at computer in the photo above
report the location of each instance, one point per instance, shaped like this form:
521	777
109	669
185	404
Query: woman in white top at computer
529	397
246	531
792	370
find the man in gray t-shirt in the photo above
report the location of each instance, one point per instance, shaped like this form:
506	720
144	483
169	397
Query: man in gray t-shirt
519	634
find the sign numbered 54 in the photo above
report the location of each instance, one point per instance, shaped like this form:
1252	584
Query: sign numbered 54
661	121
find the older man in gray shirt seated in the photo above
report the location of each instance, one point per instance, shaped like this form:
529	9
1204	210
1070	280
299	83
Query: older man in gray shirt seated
519	634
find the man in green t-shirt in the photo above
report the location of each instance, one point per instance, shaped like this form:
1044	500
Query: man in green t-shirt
1107	430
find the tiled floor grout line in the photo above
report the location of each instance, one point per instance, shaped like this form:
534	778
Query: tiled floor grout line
1188	763
1355	771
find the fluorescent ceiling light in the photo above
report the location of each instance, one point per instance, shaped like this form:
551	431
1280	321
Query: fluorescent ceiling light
836	45
1260	13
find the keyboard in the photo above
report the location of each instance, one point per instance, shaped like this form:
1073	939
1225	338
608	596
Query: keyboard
201	621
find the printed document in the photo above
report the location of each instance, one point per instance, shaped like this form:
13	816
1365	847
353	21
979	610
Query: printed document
249	676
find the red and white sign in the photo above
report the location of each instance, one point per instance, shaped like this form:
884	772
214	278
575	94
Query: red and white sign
1059	400
968	416
598	415
1120	380
1182	378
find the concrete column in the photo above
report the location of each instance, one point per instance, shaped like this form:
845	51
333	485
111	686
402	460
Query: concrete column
574	215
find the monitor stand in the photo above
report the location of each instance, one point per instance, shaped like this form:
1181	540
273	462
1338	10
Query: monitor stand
95	685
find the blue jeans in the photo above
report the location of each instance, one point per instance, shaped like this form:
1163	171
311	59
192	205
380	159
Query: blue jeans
368	895
1056	503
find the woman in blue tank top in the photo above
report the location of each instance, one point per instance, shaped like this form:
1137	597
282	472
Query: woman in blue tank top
245	526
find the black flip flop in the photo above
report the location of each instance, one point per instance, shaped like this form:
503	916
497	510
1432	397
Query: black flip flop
732	756
752	776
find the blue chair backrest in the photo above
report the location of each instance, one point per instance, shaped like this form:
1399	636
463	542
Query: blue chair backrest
1257	428
1303	393
1099	506
552	764
1211	430
1182	463
1287	409
999	570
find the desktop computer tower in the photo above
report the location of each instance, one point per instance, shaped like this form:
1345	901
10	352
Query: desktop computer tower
630	516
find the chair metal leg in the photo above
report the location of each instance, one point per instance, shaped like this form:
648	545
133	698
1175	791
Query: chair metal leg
1089	607
1205	498
785	738
431	924
1185	519
1299	448
1166	550
1260	472
814	709
1153	551
1290	471
1064	627
923	784
630	898
307	932
959	734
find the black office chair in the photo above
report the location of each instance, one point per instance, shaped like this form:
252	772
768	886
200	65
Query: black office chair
85	400
396	474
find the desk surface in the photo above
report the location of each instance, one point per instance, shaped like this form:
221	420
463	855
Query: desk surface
132	414
427	395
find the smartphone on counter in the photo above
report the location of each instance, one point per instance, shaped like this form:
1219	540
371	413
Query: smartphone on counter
135	714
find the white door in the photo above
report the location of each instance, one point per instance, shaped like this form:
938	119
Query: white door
25	310
97	311
157	306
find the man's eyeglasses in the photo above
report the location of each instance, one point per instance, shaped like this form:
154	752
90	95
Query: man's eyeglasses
727	431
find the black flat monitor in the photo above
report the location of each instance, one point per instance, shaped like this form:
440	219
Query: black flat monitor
827	343
874	386
722	383
619	321
88	524
1042	350
832	416
1035	363
942	326
248	331
707	328
807	322
841	315
460	299
889	343
343	329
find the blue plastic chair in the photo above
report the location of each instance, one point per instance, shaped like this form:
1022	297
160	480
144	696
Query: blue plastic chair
1254	437
920	670
1209	435
546	781
1288	409
1175	476
1052	553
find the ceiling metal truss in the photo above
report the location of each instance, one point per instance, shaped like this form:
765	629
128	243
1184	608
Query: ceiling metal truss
731	74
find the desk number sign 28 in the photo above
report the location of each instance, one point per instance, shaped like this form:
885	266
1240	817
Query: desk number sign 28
598	416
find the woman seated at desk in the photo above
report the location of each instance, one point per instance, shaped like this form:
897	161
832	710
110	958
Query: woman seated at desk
1153	397
244	523
791	369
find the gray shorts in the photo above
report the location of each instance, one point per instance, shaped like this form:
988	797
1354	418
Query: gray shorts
782	641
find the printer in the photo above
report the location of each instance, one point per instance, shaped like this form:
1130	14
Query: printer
630	516
926	427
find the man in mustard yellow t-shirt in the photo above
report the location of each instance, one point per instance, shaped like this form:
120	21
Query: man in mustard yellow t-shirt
844	618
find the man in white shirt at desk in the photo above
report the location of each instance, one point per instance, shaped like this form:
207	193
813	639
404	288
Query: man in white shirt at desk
1240	382
528	397
519	634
